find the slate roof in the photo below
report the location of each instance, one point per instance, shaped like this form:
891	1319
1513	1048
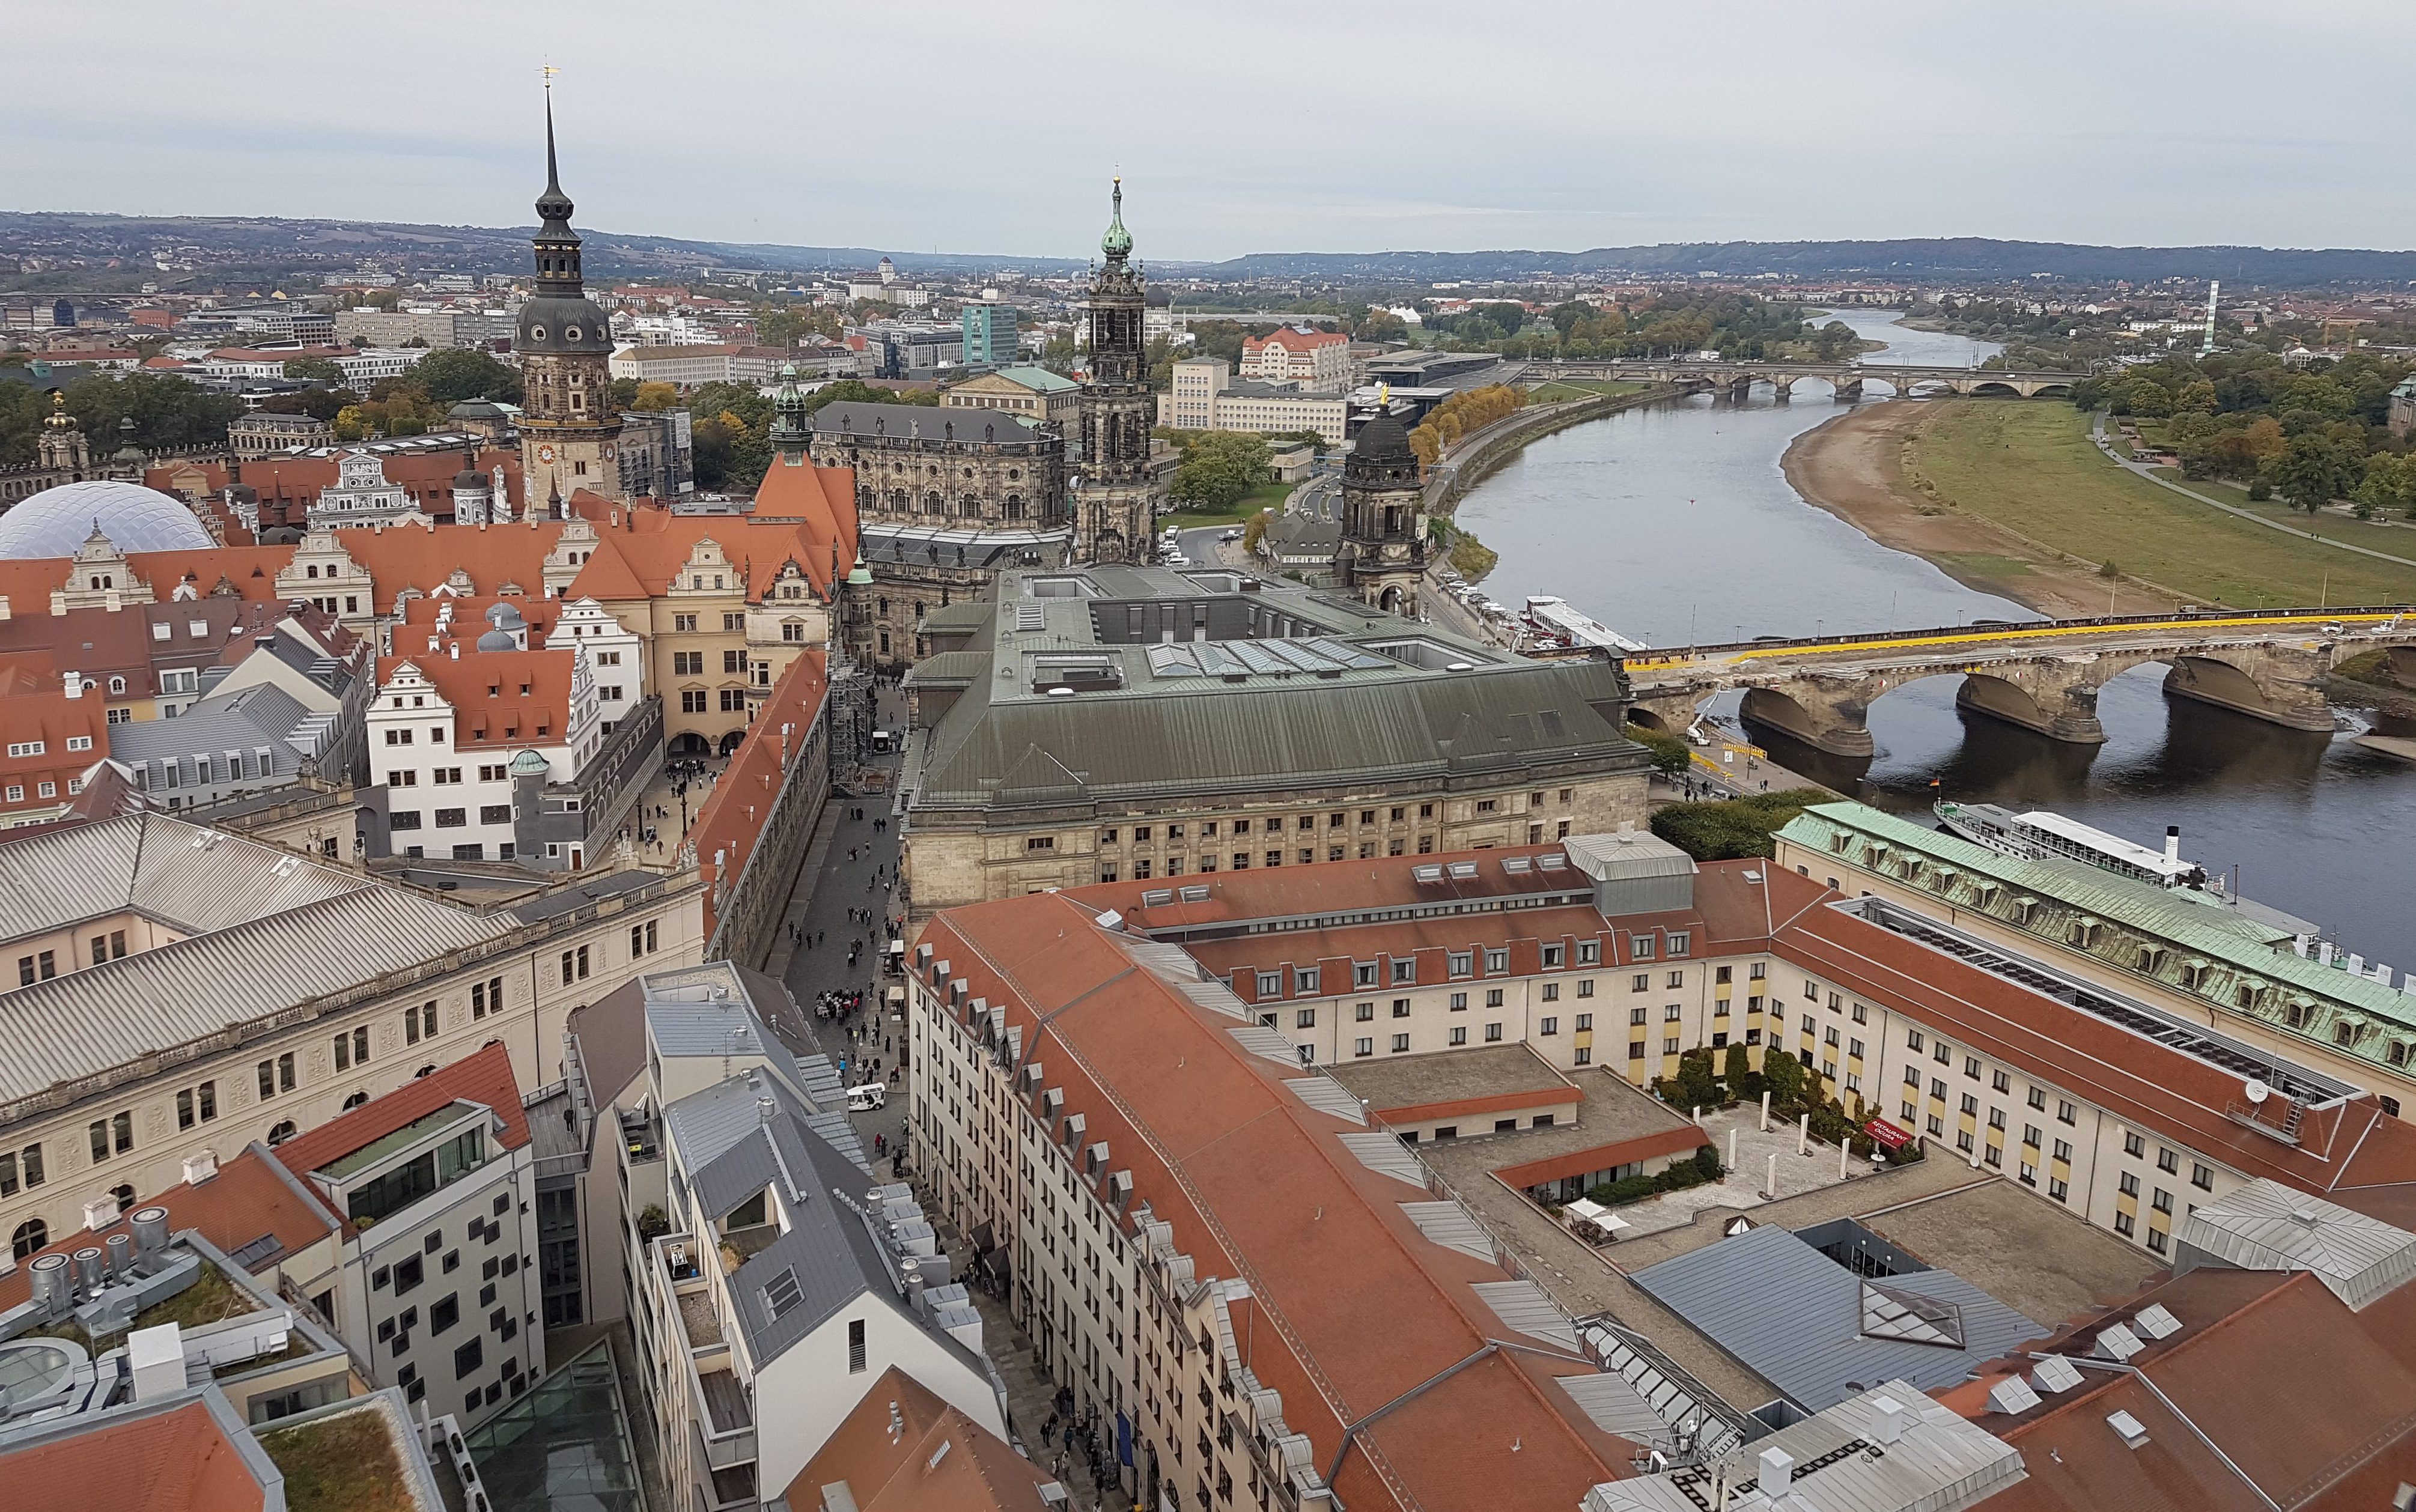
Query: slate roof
1375	719
245	720
1796	1317
855	421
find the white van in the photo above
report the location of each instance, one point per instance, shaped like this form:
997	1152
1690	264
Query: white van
864	1098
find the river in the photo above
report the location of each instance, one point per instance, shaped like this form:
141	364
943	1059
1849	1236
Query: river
1674	523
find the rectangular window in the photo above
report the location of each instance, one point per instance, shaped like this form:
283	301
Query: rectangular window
1400	1043
2203	1177
468	1358
1363	1012
1363	1047
1493	997
1548	1026
1459	1034
1459	1002
1494	1033
1304	1019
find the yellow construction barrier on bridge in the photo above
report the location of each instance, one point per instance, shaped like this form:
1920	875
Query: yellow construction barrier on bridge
2197	622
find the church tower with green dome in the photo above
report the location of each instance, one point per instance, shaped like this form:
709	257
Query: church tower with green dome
1117	494
569	430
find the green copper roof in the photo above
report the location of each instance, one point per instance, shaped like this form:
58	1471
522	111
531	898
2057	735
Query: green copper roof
2187	942
1118	241
1037	379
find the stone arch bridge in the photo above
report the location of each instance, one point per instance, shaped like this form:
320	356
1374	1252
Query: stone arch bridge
2043	676
1734	378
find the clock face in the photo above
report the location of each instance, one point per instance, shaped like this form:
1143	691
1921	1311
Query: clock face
608	448
545	454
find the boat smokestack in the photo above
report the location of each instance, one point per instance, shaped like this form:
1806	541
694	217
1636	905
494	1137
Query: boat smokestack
2172	842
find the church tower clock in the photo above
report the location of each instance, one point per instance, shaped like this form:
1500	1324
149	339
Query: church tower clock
569	430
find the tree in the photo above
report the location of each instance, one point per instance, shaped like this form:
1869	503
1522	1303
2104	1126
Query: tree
350	424
2389	485
655	396
1255	530
1671	755
457	373
624	393
1217	469
314	370
1730	829
2314	470
1379	324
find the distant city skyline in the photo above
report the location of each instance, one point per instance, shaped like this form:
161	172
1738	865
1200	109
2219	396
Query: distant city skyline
1288	129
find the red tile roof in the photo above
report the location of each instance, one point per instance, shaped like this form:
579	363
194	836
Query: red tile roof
1358	1307
44	715
1292	340
2312	1403
485	1076
728	827
941	1460
180	1461
249	1197
499	697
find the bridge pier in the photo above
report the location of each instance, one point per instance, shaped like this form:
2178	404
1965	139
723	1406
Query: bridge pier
1783	389
1830	724
1849	390
2048	704
2282	686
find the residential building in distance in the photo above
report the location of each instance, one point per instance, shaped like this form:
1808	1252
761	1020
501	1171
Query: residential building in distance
1309	360
911	349
55	736
374	365
722	362
434	1186
1031	394
263	433
944	499
988	335
1206	397
1135	722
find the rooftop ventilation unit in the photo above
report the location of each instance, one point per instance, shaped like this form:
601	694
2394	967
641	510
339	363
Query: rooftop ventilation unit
2056	1374
1551	862
1158	898
1431	872
2012	1395
2134	1432
2157	1322
1516	866
1462	870
2118	1342
1195	893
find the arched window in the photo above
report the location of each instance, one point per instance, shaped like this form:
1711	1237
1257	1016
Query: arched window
125	1196
282	1132
933	504
1015	507
355	1100
29	1239
118	685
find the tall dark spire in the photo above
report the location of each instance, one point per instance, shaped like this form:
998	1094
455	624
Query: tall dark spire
553	207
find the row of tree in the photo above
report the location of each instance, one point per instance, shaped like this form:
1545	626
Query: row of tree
2308	435
1219	470
1463	415
167	411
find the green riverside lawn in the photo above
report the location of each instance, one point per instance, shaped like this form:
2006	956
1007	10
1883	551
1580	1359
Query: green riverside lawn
2031	467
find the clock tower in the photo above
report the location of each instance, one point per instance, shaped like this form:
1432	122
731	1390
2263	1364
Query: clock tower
569	430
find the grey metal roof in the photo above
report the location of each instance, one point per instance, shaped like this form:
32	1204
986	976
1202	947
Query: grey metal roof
89	1022
2265	1226
1843	1462
1794	1316
245	719
1626	856
149	864
1524	1307
1453	1226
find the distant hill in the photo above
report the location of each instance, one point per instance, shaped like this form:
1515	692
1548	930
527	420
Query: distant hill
309	244
337	244
1952	259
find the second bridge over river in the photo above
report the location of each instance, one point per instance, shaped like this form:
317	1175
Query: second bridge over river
2044	675
1735	376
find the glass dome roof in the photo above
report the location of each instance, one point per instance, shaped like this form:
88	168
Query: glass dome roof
56	520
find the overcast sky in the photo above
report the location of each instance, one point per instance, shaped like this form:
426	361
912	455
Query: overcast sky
1242	124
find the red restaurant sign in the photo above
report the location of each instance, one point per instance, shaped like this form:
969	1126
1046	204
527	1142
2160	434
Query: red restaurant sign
1887	1135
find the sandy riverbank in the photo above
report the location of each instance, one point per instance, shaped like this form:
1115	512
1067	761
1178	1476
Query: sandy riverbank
1852	467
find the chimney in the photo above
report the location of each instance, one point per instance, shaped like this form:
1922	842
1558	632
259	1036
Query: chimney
1777	1473
2172	842
1889	1419
75	684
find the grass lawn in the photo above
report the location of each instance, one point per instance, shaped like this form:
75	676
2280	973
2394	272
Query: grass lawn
2031	467
1265	496
2375	535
